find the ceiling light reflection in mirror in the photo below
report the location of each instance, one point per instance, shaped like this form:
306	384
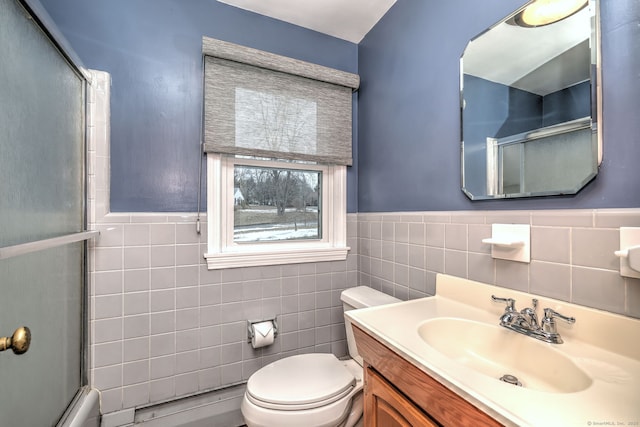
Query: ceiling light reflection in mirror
545	12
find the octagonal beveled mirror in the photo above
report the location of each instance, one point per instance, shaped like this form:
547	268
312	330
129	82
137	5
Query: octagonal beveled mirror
530	107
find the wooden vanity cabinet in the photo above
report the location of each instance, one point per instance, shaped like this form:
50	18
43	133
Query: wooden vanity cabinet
385	406
397	393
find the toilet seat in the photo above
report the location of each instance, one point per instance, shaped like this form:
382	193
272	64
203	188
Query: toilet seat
300	382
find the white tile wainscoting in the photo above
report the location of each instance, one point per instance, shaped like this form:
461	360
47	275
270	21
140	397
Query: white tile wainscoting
572	254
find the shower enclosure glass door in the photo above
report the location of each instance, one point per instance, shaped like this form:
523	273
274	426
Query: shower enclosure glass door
42	196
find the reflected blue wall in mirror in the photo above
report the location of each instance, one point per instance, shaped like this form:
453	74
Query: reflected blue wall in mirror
518	111
504	111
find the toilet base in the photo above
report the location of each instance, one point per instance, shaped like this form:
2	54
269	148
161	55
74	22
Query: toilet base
337	414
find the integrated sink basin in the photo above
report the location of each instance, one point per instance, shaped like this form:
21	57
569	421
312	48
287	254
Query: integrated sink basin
504	355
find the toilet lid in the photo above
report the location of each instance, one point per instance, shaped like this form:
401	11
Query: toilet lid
301	382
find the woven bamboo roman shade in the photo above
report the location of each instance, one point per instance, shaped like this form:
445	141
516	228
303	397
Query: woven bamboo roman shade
269	106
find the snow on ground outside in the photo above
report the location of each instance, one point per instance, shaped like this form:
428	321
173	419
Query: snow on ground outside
274	232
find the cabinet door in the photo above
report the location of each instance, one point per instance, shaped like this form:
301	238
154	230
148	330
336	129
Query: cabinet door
387	407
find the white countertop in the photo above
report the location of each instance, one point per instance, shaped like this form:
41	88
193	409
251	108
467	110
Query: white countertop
604	345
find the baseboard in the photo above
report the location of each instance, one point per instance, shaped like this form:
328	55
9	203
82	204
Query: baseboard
220	408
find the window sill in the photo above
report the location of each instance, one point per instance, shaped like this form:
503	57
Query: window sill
217	261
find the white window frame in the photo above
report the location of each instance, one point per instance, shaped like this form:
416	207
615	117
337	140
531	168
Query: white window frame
223	252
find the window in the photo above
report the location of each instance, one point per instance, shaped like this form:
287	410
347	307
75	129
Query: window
276	203
277	133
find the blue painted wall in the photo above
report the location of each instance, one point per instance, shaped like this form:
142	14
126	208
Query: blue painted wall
407	111
409	129
152	48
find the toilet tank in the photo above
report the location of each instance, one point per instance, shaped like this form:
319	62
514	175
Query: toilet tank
361	297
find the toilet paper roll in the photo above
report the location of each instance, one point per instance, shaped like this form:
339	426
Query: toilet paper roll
263	334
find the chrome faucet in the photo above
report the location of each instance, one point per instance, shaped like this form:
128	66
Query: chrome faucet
530	314
526	320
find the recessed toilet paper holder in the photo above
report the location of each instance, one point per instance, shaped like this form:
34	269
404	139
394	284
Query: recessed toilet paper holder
251	331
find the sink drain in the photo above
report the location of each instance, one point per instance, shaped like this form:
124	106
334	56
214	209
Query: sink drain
511	379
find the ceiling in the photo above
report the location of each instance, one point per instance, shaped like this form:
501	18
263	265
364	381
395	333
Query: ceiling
349	20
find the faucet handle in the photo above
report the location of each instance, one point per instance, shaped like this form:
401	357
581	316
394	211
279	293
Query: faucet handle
550	314
549	324
509	301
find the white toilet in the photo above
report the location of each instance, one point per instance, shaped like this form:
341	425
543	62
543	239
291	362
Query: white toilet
316	389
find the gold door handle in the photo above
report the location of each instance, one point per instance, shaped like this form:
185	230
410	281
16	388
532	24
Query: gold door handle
18	342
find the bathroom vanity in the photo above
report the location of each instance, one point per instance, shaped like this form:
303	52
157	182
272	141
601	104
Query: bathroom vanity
399	394
440	361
